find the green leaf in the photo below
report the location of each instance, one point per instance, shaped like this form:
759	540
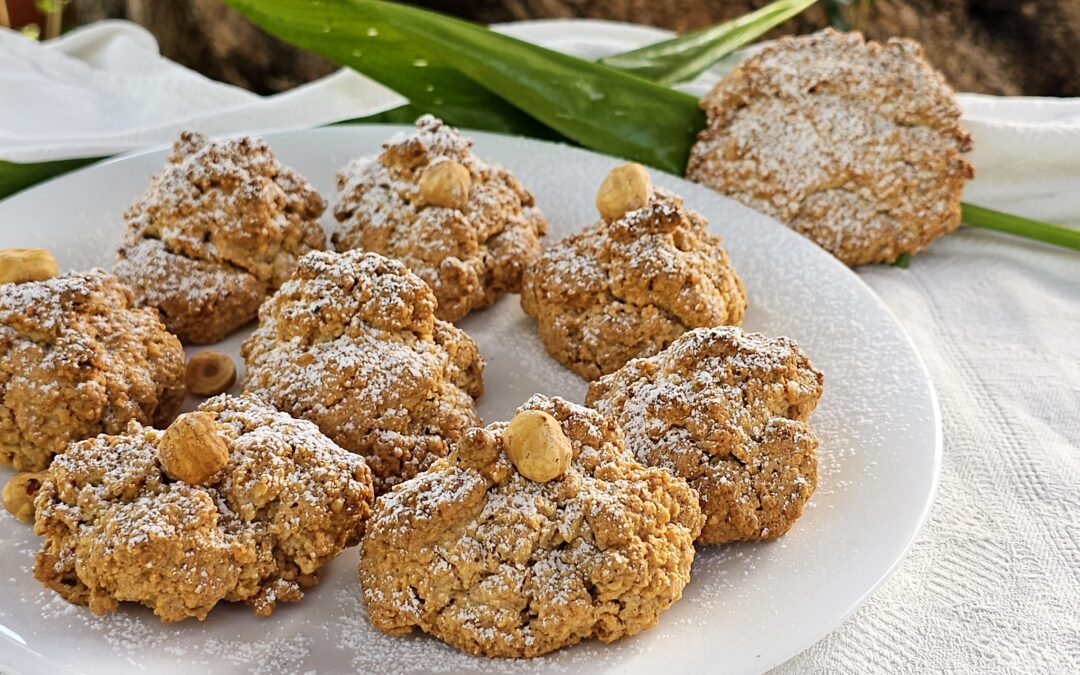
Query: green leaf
374	43
978	216
15	176
685	57
468	74
902	261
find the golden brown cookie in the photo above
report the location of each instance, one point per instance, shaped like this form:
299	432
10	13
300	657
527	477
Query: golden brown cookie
496	564
727	411
118	527
76	360
351	343
466	227
217	230
857	145
627	286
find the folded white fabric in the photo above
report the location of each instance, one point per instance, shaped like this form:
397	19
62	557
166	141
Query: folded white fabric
1027	150
104	89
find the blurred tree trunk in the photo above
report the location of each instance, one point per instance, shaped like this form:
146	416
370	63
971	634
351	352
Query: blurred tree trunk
991	46
208	36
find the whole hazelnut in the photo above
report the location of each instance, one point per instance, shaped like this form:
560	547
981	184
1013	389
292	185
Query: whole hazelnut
446	183
26	264
626	188
191	449
535	443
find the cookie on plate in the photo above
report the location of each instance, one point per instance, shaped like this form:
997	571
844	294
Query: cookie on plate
463	225
857	145
234	502
530	536
351	343
727	411
220	228
633	282
77	359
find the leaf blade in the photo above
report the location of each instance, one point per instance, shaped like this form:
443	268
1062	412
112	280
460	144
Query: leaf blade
595	105
687	56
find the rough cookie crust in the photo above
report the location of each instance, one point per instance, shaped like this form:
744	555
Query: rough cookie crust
495	564
857	145
469	256
727	411
259	531
351	343
76	360
627	288
217	230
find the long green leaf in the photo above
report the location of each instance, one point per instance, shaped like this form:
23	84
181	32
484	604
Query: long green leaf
591	104
978	216
378	44
685	57
16	176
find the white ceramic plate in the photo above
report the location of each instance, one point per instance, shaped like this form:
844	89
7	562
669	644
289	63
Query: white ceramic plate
747	608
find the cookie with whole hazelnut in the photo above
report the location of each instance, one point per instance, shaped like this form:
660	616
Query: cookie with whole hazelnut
530	536
463	225
219	229
234	502
632	283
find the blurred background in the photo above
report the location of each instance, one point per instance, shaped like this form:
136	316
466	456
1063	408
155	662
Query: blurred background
1010	47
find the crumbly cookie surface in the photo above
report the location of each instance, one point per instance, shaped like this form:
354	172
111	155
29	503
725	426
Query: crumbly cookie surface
117	529
495	564
217	230
628	287
857	145
469	255
76	360
727	411
351	343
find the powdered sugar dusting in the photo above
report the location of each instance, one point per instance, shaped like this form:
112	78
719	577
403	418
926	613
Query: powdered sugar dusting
857	145
747	606
470	253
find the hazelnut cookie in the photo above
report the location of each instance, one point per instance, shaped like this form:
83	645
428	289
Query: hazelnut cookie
233	502
218	229
727	411
351	343
857	145
632	283
464	226
78	359
497	563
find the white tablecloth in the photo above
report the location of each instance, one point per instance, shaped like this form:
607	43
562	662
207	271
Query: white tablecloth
993	582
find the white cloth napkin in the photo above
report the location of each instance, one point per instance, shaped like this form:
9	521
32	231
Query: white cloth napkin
993	581
104	89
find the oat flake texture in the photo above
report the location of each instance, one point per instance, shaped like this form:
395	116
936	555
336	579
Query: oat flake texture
496	564
469	256
77	359
351	343
857	145
217	230
117	529
727	411
628	287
